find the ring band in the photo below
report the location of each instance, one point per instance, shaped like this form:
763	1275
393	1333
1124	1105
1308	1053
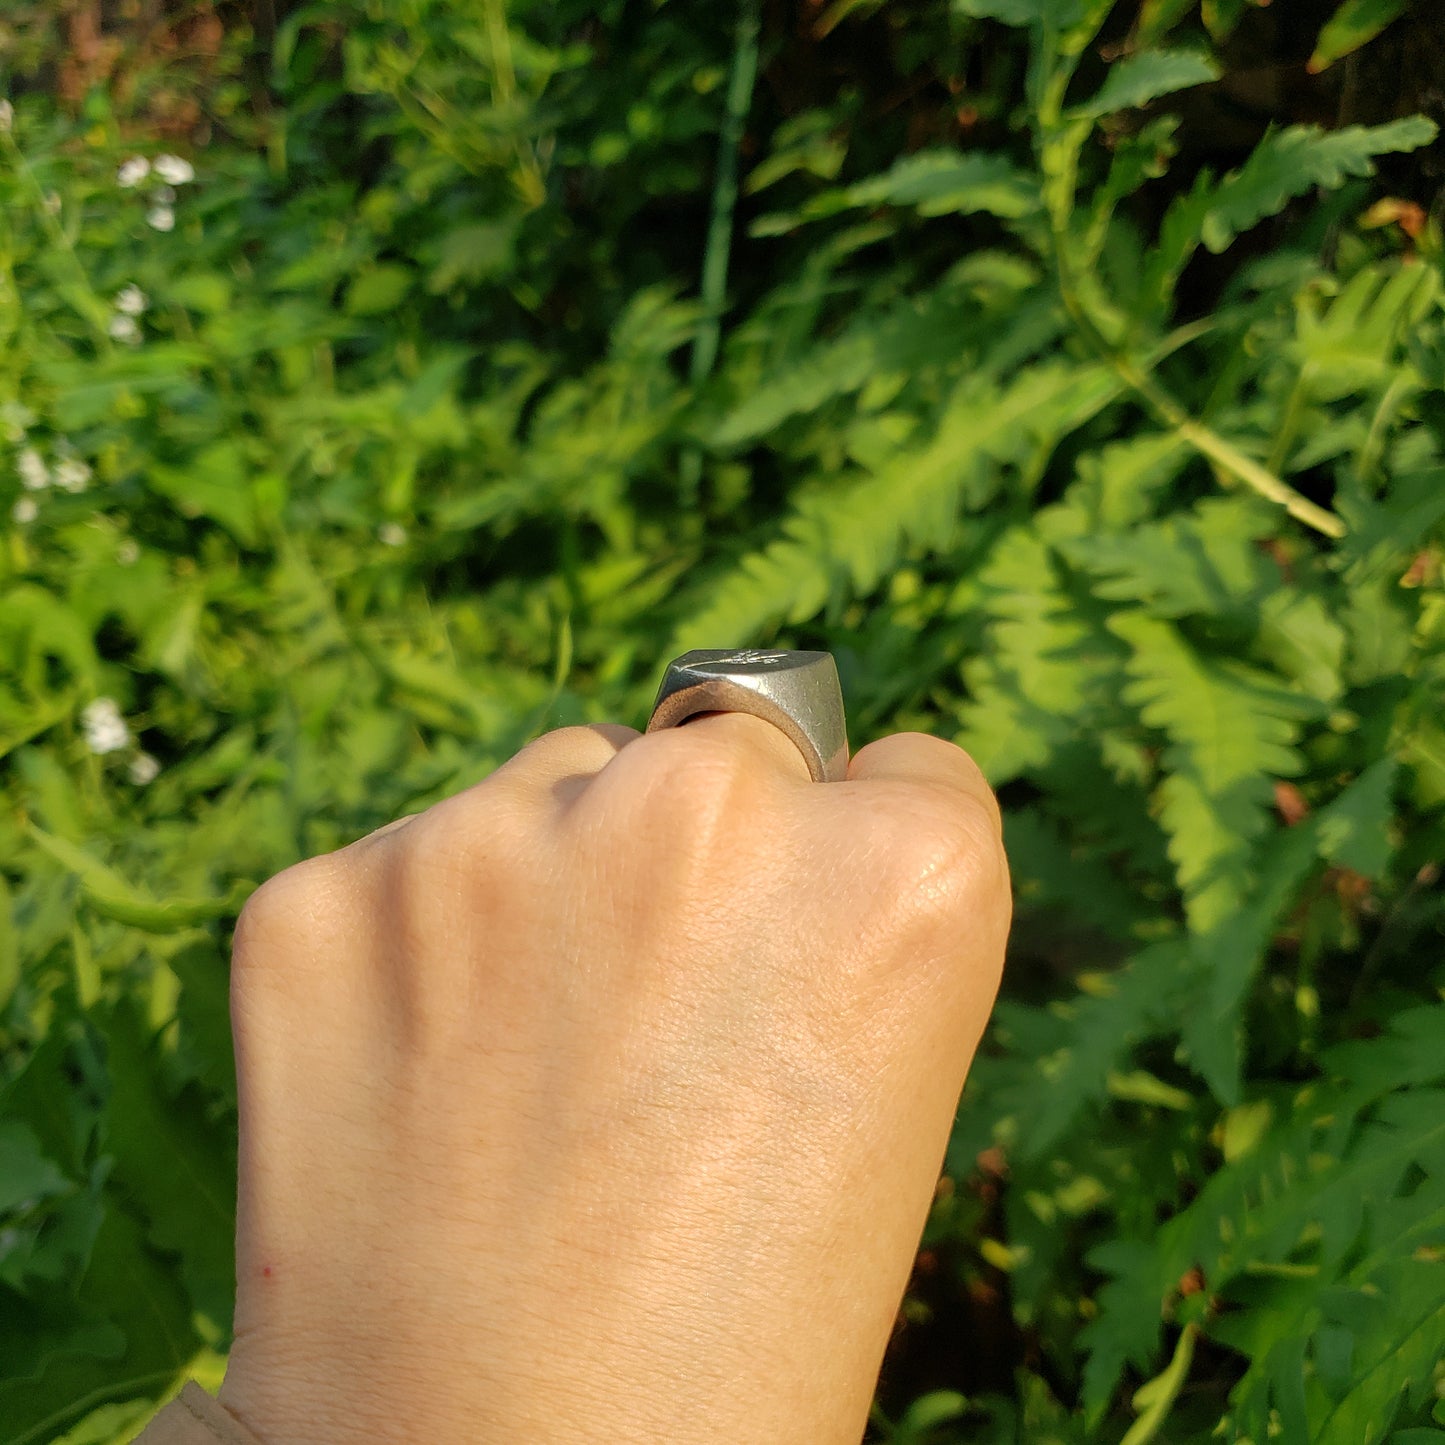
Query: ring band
798	692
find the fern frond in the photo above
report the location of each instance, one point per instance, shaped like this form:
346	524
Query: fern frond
1039	660
1132	1004
1199	563
1145	76
1229	733
933	182
1334	1195
1285	164
944	182
844	539
908	338
1350	343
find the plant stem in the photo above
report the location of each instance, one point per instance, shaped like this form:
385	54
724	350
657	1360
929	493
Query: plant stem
713	288
1159	1395
1148	388
528	180
85	302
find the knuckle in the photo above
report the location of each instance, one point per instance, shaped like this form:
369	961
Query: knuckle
683	784
292	913
946	861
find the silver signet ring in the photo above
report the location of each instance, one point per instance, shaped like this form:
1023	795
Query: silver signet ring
797	692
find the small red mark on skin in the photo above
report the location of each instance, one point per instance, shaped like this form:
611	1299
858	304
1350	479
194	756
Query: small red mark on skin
266	1270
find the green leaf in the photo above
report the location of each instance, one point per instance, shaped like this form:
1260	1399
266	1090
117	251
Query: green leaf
941	183
9	946
175	1165
128	1333
1354	24
1010	12
1140	78
1221	17
1298	634
1155	1399
1286	163
377	289
1230	732
215	483
844	539
116	898
1229	951
25	1173
1202	562
1402	1324
1354	829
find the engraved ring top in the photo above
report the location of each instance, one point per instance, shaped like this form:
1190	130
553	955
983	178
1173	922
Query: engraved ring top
798	692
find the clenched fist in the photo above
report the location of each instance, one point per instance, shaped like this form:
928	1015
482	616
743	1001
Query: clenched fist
605	1100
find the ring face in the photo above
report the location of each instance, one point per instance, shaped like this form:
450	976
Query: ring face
797	692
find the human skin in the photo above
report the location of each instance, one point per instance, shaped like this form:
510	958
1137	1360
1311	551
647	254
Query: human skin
605	1100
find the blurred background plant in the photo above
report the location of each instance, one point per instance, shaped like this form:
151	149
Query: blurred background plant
386	381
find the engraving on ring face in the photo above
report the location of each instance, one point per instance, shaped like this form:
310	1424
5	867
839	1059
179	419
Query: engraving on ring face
749	657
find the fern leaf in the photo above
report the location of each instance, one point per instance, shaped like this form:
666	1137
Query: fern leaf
1229	734
1354	24
934	182
1039	660
1332	1181
1352	343
1118	485
944	182
908	338
1051	872
1146	76
1285	164
1192	563
1229	954
1355	829
1134	1003
1300	638
1289	162
845	539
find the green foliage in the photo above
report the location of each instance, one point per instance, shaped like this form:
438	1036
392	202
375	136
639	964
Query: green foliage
333	474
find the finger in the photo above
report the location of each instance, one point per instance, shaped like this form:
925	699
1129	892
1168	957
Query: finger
565	753
752	741
917	758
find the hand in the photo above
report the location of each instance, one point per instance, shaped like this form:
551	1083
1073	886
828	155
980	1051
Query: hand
605	1100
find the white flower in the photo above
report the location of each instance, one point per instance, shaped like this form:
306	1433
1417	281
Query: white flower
143	769
105	729
72	475
174	171
391	534
7	116
161	218
25	511
123	328
34	474
128	553
132	172
15	418
131	301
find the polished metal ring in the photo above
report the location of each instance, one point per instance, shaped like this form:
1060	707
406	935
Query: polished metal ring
797	692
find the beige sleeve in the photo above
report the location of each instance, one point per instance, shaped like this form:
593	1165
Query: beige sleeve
194	1418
